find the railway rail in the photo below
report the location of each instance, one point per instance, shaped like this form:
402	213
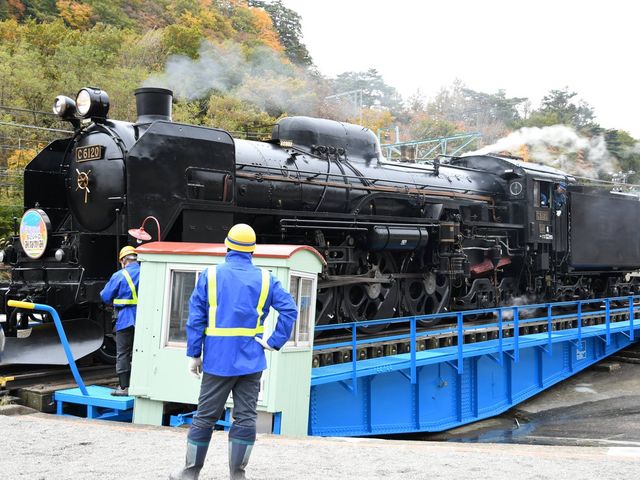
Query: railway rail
395	340
34	385
399	336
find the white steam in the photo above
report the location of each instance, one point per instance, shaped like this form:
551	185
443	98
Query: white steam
560	147
192	79
633	150
526	299
263	78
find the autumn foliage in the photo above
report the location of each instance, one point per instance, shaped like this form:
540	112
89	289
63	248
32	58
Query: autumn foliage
51	47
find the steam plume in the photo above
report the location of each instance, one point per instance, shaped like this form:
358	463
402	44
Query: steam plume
263	78
634	150
519	301
557	146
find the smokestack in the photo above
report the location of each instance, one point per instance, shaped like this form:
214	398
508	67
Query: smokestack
153	104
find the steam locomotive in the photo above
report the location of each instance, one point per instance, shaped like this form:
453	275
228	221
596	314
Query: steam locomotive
399	238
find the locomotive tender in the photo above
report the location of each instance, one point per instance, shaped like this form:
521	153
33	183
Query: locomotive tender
399	238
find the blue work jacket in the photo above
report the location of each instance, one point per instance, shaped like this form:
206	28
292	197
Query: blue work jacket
238	290
559	199
117	288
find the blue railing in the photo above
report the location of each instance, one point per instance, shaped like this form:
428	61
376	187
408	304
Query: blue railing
507	318
38	307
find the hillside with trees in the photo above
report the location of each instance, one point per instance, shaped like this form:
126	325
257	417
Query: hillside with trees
234	64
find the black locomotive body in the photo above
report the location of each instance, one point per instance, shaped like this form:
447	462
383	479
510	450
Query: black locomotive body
399	238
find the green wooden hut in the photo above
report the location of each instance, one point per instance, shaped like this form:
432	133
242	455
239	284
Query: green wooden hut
159	373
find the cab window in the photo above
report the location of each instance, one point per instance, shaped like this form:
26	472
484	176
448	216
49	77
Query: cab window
542	194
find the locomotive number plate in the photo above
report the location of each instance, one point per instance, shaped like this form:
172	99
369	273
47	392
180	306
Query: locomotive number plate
542	215
89	152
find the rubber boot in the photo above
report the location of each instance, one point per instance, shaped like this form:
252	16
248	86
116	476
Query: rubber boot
241	440
124	379
197	446
123	389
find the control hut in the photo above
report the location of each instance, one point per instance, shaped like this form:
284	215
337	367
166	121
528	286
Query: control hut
159	374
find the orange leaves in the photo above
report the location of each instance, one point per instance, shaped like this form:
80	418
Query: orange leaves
16	8
9	31
75	14
374	119
264	29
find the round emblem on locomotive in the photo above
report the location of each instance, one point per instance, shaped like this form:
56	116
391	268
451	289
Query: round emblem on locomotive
34	232
515	188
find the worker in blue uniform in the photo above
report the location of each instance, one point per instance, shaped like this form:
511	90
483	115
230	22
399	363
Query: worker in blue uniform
543	200
559	197
121	291
225	340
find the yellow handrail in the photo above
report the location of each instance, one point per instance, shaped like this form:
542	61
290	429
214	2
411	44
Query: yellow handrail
21	304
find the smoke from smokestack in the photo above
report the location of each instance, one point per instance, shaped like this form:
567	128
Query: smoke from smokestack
566	143
634	150
263	78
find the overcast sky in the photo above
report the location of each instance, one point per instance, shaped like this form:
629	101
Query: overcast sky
524	47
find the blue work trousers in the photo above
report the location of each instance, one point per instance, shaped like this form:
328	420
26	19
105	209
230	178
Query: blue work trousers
214	392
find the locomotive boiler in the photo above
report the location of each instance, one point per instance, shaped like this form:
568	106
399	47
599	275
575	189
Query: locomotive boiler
399	238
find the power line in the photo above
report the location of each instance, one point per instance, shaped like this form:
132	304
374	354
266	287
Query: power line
23	140
22	125
27	110
15	147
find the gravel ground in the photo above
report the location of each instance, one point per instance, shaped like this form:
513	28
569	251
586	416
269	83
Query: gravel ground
39	446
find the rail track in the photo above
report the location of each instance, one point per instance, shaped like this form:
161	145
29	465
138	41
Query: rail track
34	385
15	377
395	341
22	380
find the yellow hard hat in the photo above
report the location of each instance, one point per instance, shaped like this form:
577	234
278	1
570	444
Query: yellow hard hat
127	250
241	238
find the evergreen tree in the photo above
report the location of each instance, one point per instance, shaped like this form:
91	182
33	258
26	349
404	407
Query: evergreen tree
561	107
287	24
375	92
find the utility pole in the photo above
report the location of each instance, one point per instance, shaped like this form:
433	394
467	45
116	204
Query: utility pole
355	96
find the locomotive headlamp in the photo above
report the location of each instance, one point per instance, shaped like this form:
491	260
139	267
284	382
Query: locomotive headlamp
59	255
92	102
64	107
8	255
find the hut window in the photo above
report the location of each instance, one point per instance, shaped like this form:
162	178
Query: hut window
302	289
181	285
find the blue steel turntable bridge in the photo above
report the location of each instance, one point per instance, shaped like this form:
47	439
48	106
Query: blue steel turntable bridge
476	370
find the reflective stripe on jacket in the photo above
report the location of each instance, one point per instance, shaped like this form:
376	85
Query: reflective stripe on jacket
132	291
243	331
122	291
227	309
